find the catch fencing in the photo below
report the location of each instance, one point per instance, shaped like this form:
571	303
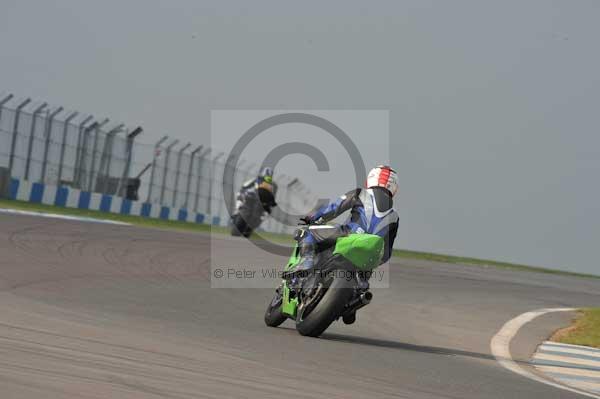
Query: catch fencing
40	143
183	176
48	145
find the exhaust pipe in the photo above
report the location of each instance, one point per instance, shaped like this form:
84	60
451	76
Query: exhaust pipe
363	300
366	297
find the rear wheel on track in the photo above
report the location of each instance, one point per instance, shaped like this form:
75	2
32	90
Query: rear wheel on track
313	320
238	226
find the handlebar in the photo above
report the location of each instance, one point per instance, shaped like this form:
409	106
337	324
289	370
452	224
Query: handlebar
317	222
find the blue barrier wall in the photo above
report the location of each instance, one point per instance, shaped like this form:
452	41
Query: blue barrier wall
74	198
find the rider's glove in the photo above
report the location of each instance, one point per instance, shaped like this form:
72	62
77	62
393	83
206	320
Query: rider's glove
306	219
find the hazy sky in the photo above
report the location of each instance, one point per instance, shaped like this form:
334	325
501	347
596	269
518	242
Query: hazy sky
494	107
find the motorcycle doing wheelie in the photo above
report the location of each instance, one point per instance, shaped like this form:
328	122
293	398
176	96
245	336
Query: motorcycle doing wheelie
336	286
250	209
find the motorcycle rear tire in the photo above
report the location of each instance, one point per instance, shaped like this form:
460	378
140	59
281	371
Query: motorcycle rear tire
331	306
239	226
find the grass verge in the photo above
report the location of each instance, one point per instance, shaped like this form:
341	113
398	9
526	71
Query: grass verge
461	260
584	331
134	220
183	226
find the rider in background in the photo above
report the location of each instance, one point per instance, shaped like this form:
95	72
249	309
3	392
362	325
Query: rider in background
265	186
371	211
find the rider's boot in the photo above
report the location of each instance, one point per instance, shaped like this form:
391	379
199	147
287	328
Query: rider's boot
349	318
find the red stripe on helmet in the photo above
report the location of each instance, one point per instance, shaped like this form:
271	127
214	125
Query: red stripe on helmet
384	177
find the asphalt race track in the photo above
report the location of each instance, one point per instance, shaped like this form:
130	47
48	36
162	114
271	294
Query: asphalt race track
100	311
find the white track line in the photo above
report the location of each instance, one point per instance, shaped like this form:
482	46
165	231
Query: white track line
59	216
500	346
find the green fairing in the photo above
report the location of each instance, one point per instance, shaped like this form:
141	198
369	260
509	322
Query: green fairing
294	259
363	250
288	306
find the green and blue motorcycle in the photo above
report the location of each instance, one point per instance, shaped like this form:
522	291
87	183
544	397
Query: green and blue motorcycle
336	287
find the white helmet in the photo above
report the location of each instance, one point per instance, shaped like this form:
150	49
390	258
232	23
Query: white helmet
383	176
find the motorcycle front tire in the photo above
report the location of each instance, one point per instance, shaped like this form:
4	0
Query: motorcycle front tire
273	316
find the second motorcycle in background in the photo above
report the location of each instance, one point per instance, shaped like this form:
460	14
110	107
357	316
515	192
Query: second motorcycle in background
255	200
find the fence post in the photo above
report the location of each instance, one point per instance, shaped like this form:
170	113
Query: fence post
78	150
63	145
210	184
178	173
165	170
81	139
94	149
48	132
106	158
109	146
15	133
130	138
4	101
230	183
188	184
31	137
153	171
200	162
